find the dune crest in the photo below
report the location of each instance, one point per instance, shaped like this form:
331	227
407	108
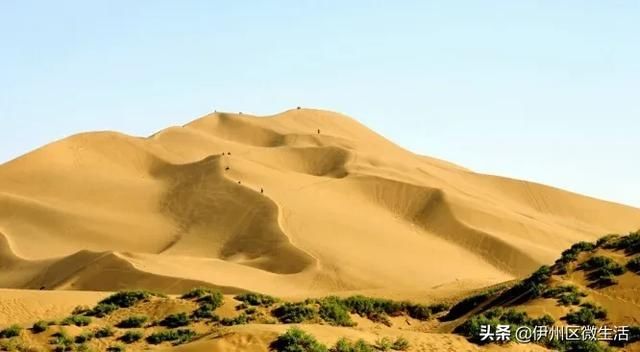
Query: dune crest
306	202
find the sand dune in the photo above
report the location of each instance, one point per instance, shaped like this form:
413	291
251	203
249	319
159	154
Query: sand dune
341	209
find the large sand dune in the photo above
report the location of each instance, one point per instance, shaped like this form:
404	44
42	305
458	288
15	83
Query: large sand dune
342	209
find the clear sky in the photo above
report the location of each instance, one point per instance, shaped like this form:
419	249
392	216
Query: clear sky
542	90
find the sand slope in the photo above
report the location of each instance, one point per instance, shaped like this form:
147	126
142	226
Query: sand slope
343	209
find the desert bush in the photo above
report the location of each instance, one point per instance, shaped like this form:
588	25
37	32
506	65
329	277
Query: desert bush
78	310
290	313
467	304
634	264
39	326
384	344
605	241
177	336
572	253
565	294
586	315
11	331
215	299
116	348
103	332
602	270
102	309
400	344
77	320
134	321
131	336
61	341
197	292
333	311
176	320
256	299
238	320
125	299
438	308
204	311
296	340
344	345
84	337
629	243
498	316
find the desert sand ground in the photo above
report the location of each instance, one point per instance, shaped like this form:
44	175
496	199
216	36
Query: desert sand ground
301	204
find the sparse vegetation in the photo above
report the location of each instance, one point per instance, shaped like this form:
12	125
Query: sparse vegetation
125	299
103	332
290	313
499	316
384	344
84	337
77	320
102	310
204	311
586	315
565	294
333	311
177	336
467	304
296	340
11	331
629	243
176	320
634	264
602	270
256	299
131	336
400	344
238	320
39	326
61	341
116	348
134	321
344	345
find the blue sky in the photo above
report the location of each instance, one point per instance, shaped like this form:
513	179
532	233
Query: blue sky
542	90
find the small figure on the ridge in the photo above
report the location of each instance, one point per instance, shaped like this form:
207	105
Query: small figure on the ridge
318	131
226	168
298	108
239	182
261	190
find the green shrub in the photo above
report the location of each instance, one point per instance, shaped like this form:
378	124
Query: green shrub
344	345
400	344
84	337
334	312
290	313
296	340
83	347
438	308
131	336
134	321
102	310
12	331
256	299
586	315
629	243
418	311
77	320
238	320
79	310
39	326
176	320
204	311
205	296
605	241
116	348
384	344
572	253
467	304
602	270
125	299
634	264
103	332
177	336
62	341
498	316
565	294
